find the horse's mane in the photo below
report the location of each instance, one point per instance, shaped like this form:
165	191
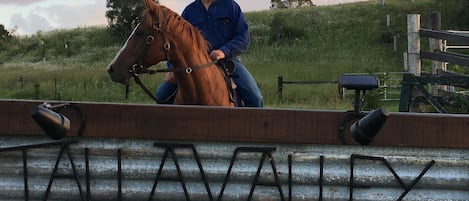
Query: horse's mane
178	25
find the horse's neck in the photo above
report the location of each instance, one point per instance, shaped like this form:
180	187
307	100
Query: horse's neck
189	59
204	85
200	74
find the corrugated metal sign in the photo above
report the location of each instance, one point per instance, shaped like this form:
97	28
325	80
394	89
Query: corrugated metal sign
126	169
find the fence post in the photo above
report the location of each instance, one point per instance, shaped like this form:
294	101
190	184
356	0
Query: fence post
436	45
55	89
413	48
388	20
280	86
36	90
406	62
413	55
22	83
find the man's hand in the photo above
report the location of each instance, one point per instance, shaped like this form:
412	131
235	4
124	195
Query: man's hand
169	77
217	55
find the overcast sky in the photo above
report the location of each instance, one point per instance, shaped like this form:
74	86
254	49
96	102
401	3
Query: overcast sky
30	16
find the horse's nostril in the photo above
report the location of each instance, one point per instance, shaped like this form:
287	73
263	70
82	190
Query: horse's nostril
110	69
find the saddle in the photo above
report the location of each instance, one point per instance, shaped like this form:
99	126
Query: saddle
227	67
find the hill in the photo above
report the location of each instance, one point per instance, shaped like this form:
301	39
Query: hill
307	44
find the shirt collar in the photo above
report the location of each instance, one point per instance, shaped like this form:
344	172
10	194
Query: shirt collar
199	3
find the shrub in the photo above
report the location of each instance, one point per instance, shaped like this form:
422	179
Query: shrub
283	27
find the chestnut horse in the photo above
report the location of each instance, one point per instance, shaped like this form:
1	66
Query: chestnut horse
163	35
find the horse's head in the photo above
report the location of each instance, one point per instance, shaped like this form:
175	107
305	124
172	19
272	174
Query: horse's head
146	45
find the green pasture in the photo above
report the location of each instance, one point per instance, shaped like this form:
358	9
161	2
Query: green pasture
307	44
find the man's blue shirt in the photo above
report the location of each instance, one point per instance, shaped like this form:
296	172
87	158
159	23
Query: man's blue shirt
223	25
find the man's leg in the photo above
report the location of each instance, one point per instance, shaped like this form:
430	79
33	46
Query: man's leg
166	93
248	90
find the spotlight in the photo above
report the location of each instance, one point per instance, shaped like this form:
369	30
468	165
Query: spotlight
364	130
55	125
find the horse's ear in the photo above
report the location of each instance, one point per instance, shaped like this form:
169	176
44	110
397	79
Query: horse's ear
149	3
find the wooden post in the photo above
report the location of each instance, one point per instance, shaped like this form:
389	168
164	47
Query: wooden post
280	87
388	20
22	82
413	48
436	45
406	63
413	55
55	89
36	91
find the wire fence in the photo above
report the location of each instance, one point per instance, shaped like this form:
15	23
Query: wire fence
389	88
60	89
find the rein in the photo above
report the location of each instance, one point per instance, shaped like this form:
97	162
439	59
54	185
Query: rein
137	68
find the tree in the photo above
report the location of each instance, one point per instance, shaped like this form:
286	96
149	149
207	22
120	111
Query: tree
290	3
123	15
5	37
278	4
463	14
4	34
456	13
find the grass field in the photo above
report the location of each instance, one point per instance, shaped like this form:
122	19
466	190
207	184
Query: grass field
307	44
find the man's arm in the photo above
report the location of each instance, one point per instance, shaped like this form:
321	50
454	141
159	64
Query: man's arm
241	38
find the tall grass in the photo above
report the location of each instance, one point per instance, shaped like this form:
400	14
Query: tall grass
307	44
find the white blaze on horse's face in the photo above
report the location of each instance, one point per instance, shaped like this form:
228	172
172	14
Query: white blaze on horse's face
119	67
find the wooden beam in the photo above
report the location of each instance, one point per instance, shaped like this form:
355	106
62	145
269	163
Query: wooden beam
220	124
461	38
451	57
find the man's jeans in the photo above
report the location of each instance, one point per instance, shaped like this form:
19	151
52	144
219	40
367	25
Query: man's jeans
247	90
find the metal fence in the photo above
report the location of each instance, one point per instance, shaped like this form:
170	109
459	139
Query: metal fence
129	169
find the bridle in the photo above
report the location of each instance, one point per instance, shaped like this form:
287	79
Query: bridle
136	69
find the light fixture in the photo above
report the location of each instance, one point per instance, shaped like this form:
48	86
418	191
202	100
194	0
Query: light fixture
54	124
365	129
